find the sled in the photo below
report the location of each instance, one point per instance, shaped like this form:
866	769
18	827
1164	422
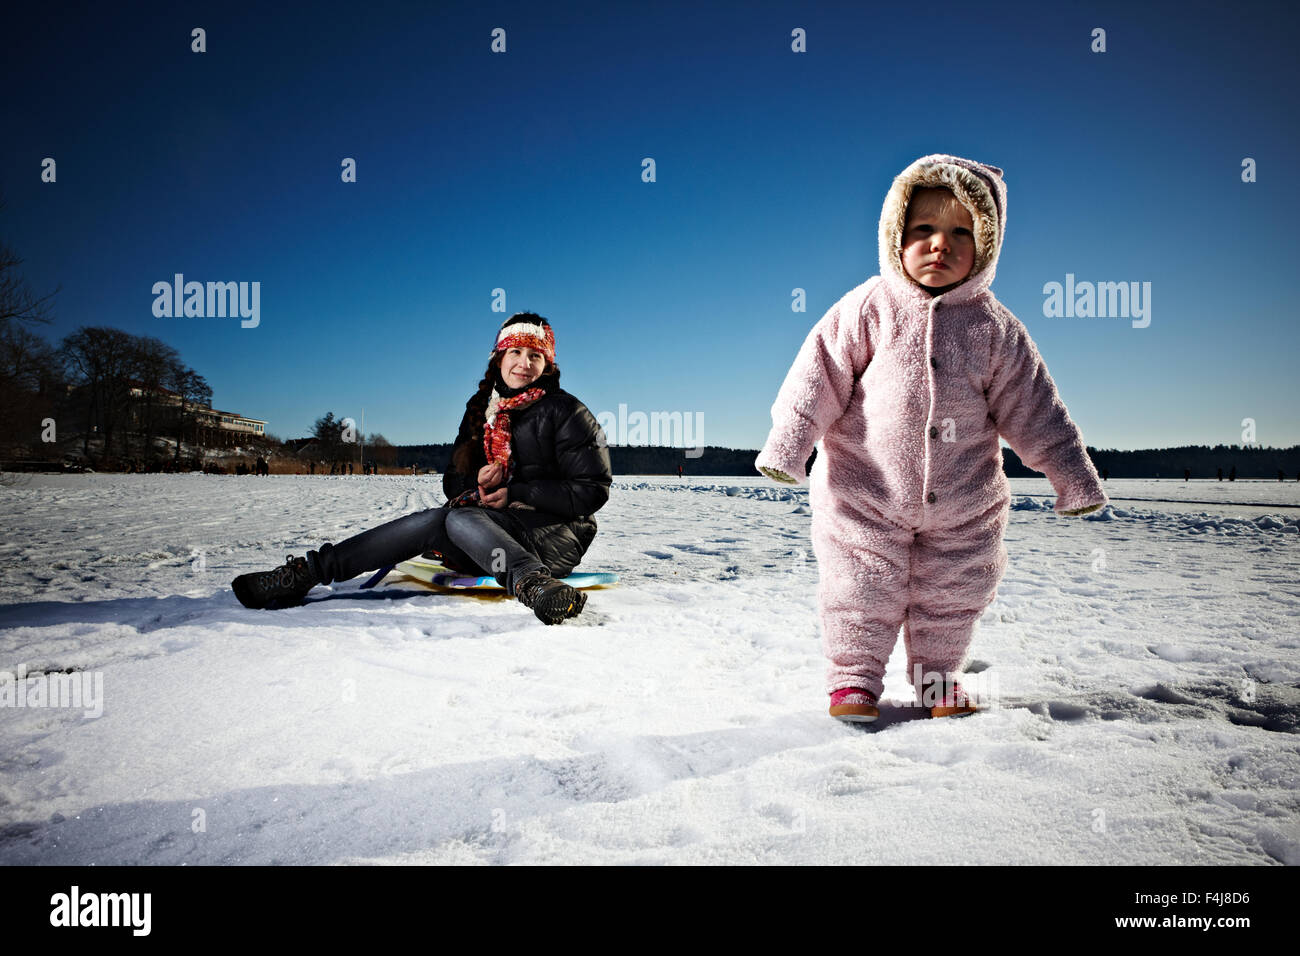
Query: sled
430	571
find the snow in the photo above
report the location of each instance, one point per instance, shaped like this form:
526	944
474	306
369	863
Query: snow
1141	667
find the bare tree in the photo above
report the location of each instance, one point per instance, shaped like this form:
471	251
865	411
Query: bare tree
100	359
194	393
30	375
17	301
151	362
28	366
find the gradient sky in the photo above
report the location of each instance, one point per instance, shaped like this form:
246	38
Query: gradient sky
522	171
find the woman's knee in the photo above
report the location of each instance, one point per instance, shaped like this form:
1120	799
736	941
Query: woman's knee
457	519
472	525
429	525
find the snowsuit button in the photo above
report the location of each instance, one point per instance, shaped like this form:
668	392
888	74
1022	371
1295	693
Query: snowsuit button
934	362
930	497
934	432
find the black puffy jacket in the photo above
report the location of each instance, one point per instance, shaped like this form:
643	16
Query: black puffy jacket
560	471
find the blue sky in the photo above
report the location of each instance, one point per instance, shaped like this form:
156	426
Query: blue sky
522	171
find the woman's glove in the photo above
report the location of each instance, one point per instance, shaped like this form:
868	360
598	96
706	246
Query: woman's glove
776	474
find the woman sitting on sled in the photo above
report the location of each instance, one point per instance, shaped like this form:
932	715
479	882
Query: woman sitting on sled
528	470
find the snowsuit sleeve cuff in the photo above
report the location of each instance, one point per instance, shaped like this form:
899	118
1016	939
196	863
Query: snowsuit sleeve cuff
1080	494
788	449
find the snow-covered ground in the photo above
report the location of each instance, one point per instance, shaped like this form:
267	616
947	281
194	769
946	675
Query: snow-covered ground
1142	668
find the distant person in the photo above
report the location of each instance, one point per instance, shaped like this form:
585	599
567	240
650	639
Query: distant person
1187	474
907	527
679	471
1281	475
1105	474
528	470
1232	475
1220	474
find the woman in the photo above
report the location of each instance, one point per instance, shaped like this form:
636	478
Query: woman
528	470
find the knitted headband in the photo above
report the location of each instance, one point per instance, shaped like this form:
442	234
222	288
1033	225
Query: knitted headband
527	335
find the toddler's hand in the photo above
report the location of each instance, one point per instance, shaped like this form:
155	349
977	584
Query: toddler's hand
776	474
1081	511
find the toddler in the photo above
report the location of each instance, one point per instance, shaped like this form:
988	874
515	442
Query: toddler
907	382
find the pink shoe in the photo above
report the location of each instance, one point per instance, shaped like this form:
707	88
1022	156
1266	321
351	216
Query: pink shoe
954	702
854	704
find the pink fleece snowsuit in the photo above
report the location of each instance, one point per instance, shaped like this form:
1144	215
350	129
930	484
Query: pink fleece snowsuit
908	394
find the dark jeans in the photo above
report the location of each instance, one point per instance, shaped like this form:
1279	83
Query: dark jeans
475	540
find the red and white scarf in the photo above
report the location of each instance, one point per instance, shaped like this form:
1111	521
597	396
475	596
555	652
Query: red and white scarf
496	437
496	428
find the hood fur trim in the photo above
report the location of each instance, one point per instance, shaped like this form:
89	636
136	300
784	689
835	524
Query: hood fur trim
977	186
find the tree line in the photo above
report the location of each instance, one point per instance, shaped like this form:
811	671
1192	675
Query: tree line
1192	461
107	387
338	442
624	460
118	394
1200	461
124	400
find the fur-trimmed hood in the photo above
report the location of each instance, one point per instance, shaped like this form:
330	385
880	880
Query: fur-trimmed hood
979	187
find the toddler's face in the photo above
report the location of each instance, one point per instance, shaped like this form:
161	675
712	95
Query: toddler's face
939	239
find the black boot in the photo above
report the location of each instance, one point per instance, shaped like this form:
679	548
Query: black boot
286	586
551	600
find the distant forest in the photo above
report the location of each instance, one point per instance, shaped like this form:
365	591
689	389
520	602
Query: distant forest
1201	460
